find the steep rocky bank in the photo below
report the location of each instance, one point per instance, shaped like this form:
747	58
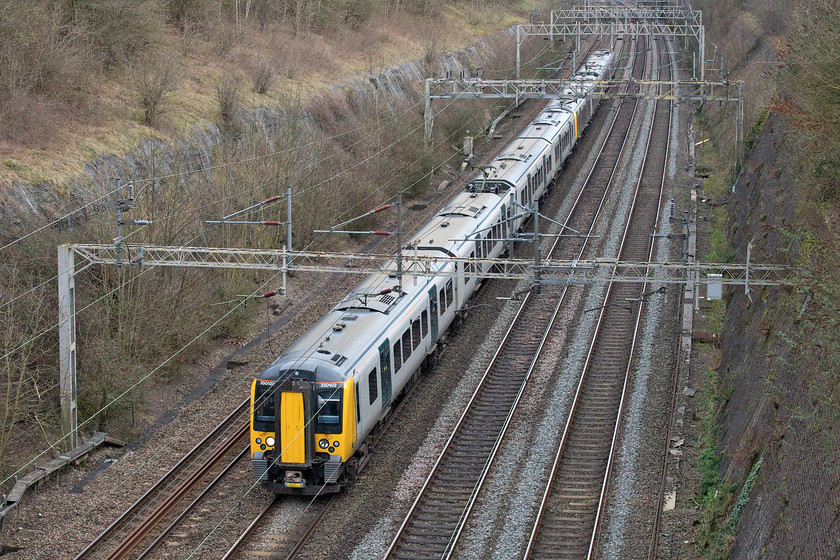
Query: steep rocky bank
778	401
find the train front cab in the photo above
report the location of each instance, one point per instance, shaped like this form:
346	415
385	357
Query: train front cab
302	434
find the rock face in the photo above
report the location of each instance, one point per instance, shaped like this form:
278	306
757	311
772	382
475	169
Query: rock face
23	205
777	394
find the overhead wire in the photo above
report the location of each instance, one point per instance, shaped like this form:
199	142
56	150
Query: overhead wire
108	405
49	329
169	359
215	323
144	182
383	126
256	482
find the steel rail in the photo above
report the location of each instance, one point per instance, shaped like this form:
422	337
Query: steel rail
248	530
309	532
142	503
150	522
449	548
636	327
175	522
678	370
530	550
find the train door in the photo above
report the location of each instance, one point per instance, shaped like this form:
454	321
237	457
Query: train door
433	313
385	371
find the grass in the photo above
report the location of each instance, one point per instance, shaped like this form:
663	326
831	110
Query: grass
306	64
716	495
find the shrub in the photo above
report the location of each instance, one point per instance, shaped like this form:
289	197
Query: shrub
152	86
229	96
261	73
118	31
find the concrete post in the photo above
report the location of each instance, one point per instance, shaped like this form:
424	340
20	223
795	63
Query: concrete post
518	45
428	114
67	346
702	54
289	218
739	126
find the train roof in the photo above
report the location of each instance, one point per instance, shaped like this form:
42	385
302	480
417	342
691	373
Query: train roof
330	351
515	161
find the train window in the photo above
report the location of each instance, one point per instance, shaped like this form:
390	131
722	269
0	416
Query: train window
328	416
397	356
358	410
406	344
442	306
264	407
373	385
449	297
424	323
415	333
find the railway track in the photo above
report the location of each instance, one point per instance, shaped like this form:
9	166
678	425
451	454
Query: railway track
676	375
120	539
569	514
269	537
434	523
140	523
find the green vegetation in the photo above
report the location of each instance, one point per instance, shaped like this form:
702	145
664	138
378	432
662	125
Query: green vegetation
341	152
716	496
757	127
800	326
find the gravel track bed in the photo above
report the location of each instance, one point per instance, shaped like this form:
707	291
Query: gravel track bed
69	510
634	488
55	523
509	501
376	531
405	453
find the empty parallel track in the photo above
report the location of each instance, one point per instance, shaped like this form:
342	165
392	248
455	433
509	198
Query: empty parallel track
136	523
569	514
434	522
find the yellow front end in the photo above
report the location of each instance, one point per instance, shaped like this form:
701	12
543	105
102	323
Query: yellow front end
298	469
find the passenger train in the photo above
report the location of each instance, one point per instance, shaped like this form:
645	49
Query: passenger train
316	406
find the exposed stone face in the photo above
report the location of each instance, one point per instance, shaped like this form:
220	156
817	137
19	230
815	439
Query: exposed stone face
774	404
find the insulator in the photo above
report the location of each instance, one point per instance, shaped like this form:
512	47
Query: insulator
382	233
274	223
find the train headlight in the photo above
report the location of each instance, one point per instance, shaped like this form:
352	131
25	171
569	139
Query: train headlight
324	443
335	443
259	441
269	441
